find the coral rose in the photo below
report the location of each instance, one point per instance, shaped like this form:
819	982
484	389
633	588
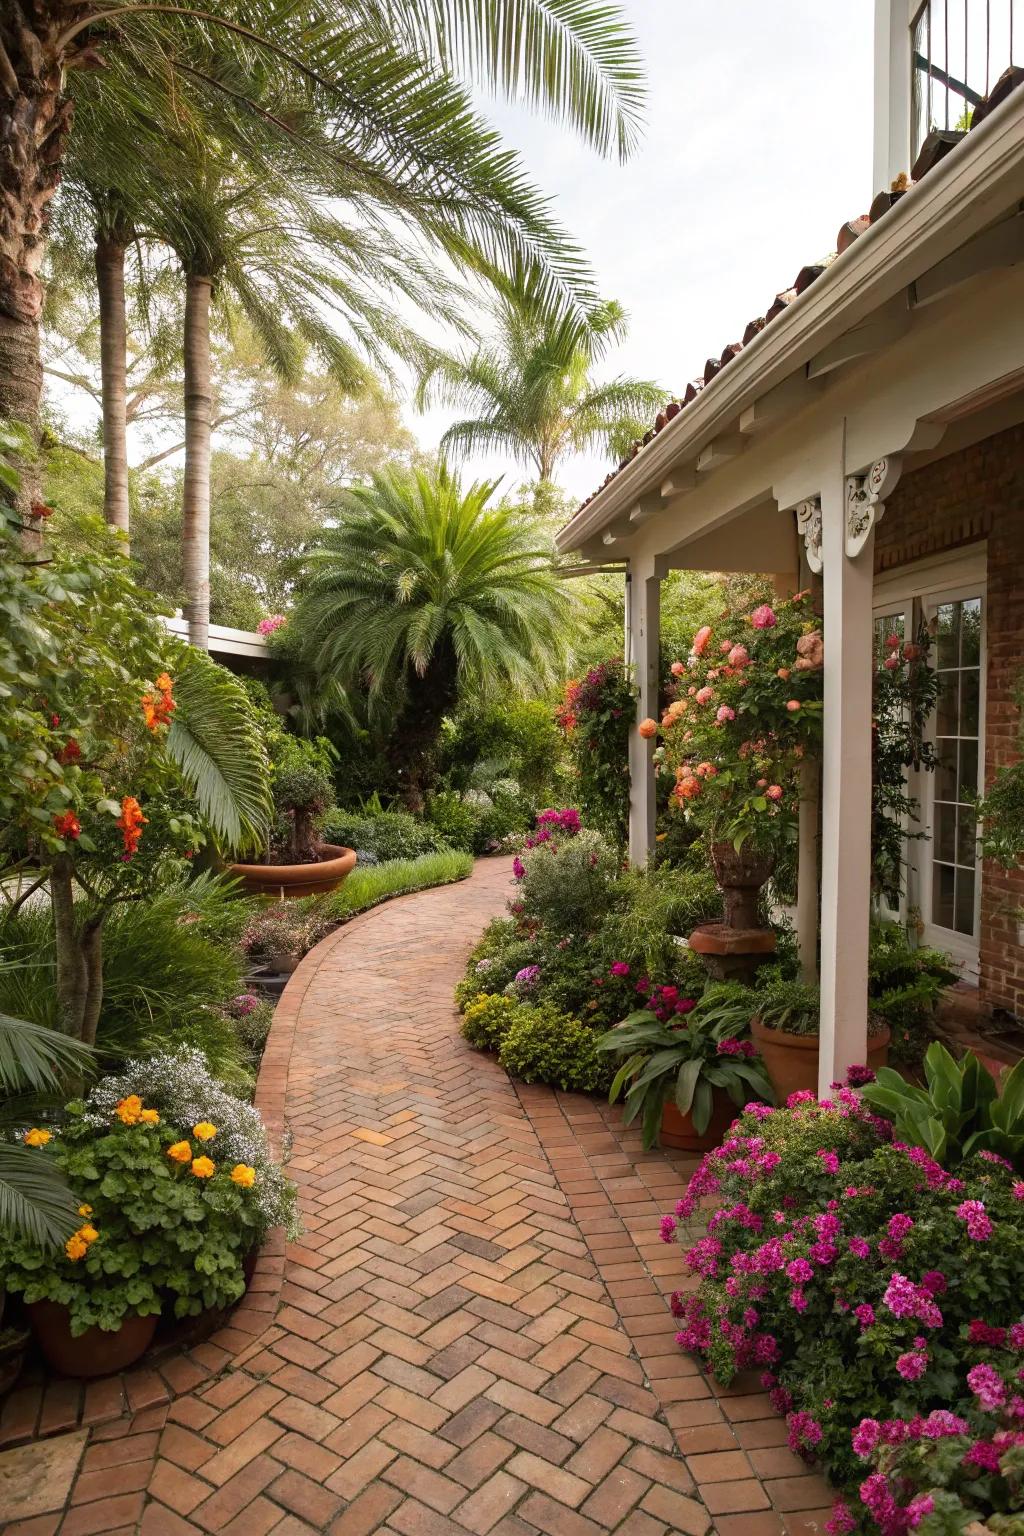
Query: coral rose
648	728
774	792
700	640
704	695
792	705
725	713
677	668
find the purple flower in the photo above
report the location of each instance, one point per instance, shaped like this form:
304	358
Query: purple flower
899	1225
799	1271
923	1504
667	1230
527	978
243	1004
984	1456
865	1315
842	1521
518	868
860	1247
830	1160
865	1437
859	1076
912	1365
620	968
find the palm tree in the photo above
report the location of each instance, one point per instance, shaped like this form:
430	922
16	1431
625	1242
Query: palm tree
531	390
425	593
406	138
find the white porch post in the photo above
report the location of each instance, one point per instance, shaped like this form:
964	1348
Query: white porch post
643	617
807	908
846	790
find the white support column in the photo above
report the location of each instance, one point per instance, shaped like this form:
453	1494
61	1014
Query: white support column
807	903
846	789
644	619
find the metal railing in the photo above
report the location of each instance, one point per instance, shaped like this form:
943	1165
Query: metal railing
959	49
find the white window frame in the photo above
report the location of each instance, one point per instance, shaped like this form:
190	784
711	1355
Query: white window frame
917	589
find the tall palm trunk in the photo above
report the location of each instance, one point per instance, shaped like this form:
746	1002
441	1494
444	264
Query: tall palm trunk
196	490
110	248
35	119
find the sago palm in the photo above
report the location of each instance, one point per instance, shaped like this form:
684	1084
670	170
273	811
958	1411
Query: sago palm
531	390
383	71
425	593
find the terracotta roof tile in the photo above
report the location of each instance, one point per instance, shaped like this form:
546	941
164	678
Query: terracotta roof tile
935	148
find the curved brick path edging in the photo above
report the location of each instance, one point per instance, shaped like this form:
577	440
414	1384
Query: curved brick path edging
472	1335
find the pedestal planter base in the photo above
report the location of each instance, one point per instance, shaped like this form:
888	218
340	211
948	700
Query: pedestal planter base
791	1061
732	954
94	1352
283	881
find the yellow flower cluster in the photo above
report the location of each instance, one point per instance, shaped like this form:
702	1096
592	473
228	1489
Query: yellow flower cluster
130	1111
36	1137
242	1174
204	1131
77	1245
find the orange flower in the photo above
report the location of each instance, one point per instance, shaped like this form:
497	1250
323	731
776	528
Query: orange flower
131	822
149	1117
648	728
129	1110
159	708
88	1233
36	1137
242	1174
204	1131
76	1248
181	1152
203	1168
85	1210
67	825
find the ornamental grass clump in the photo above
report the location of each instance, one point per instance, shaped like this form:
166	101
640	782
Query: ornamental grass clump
866	1283
181	1087
168	1213
565	880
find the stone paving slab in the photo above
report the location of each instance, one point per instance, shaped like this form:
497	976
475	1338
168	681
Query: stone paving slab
472	1334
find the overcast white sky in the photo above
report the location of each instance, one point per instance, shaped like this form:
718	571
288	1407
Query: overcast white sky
758	148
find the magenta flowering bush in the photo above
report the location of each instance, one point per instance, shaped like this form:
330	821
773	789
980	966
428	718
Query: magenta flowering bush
867	1285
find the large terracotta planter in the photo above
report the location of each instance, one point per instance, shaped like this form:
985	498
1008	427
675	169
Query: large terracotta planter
95	1352
286	880
678	1130
791	1061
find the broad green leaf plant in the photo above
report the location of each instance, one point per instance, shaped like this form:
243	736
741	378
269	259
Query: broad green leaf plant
961	1110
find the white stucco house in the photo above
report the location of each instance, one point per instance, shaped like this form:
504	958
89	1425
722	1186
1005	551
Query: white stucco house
867	434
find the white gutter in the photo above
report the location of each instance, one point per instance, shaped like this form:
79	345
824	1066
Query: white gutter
979	179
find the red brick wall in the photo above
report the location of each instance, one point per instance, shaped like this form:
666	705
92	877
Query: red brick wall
978	493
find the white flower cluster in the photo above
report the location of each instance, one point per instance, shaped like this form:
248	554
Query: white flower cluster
181	1086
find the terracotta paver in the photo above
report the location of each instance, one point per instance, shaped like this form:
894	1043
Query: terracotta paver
471	1335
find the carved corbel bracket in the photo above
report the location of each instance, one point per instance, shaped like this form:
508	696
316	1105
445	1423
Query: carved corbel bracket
865	501
808	526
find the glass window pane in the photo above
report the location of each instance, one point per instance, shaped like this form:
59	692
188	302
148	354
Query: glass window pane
945	773
968	770
947	714
965	901
944	833
947	647
943	883
970	632
966	837
970	694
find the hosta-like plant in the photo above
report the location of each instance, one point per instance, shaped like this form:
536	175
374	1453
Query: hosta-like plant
685	1057
960	1111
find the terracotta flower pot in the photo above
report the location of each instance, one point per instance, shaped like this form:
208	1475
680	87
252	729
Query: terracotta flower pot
282	963
678	1130
94	1352
791	1061
285	880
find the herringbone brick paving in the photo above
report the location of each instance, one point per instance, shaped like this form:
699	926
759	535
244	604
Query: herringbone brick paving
471	1335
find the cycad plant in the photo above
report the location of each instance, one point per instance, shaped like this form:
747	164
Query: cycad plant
531	390
424	594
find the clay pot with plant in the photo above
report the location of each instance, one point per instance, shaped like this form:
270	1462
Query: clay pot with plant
786	1026
298	862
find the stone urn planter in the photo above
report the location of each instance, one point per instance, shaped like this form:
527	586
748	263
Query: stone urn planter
740	875
287	880
94	1352
791	1061
678	1130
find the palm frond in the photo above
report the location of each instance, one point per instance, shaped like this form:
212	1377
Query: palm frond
215	740
37	1059
35	1202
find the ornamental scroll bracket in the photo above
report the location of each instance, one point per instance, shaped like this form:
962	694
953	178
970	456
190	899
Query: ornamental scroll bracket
808	526
865	501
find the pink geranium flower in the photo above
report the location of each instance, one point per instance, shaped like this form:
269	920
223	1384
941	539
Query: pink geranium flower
763	617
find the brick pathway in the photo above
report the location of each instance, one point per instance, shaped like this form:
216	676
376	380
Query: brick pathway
472	1335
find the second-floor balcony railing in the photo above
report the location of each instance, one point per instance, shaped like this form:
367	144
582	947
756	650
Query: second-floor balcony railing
959	49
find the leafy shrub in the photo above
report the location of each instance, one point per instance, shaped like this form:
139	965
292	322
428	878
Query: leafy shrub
487	1019
185	1092
514	738
303	786
652	907
884	1283
385	834
905	987
160	1217
457	820
542	1045
961	1110
567	883
252	1017
170	963
596	716
281	929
